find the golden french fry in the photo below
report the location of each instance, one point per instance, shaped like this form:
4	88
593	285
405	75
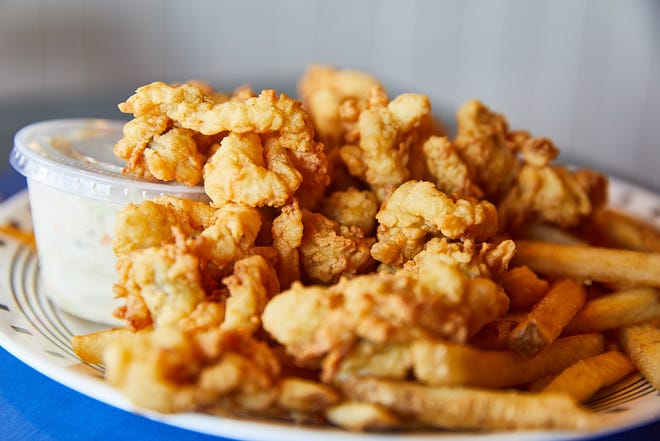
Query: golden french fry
642	345
548	318
471	408
90	347
495	335
523	287
622	308
25	237
587	376
590	263
303	395
359	417
547	233
438	363
391	360
614	229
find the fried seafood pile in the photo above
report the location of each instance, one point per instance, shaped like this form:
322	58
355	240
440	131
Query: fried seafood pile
349	248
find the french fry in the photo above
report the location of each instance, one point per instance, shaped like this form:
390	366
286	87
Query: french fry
298	394
586	377
359	417
471	408
642	345
523	287
391	360
90	347
547	233
548	318
437	363
622	308
495	335
614	229
590	263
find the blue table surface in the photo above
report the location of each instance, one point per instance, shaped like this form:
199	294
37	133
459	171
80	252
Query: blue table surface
34	407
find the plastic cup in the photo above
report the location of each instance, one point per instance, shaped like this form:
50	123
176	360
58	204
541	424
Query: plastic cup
76	189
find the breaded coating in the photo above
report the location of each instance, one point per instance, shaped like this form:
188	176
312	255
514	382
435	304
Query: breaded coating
252	283
163	285
173	371
474	259
380	156
280	119
244	171
287	231
137	134
447	170
552	194
483	142
231	234
173	156
322	91
417	210
150	223
381	307
353	207
329	250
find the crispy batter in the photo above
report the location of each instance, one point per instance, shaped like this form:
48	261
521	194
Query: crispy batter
475	260
281	120
252	283
353	207
417	210
173	371
381	307
550	194
150	223
163	285
484	143
244	171
447	170
380	155
231	234
323	89
287	231
329	250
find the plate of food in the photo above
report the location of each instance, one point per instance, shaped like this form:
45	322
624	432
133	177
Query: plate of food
337	267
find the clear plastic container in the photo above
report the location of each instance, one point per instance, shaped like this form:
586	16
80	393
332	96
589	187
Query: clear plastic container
76	188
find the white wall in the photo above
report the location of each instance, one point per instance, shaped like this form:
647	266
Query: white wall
585	73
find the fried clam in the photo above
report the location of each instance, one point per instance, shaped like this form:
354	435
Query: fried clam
381	307
287	233
161	285
169	370
444	167
171	251
352	207
150	223
554	195
156	148
384	132
487	147
284	125
416	211
329	250
323	89
474	259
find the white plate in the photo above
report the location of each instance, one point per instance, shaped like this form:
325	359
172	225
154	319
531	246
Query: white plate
36	332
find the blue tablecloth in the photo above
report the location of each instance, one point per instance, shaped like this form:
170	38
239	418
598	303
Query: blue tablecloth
33	407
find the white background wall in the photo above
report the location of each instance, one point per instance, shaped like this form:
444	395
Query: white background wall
585	73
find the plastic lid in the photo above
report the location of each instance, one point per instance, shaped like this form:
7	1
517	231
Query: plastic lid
75	155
